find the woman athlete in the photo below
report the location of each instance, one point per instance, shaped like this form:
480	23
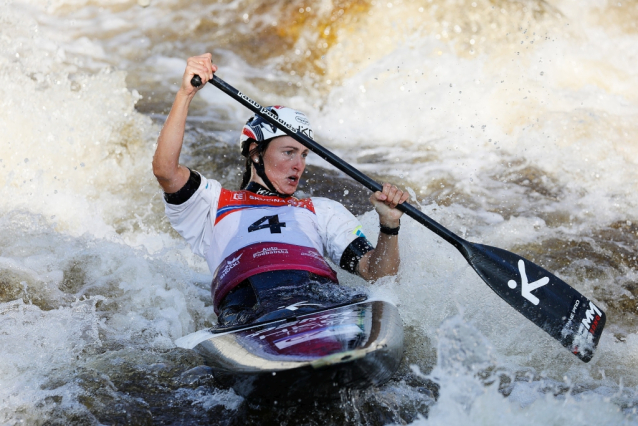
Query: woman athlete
264	247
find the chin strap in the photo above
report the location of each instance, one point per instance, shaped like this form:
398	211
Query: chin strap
261	172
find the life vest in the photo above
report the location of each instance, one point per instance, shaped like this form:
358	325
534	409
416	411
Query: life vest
255	233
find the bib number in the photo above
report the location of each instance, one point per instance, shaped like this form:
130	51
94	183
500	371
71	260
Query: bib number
273	224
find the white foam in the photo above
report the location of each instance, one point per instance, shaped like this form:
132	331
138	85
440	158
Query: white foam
467	399
85	194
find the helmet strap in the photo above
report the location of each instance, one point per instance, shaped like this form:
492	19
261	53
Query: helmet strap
261	172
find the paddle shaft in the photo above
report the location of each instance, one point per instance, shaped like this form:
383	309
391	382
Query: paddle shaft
331	158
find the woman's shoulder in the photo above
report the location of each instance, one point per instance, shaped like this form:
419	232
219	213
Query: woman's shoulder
328	206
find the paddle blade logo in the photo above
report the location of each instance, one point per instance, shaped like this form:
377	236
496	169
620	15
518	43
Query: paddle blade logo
526	286
583	329
589	324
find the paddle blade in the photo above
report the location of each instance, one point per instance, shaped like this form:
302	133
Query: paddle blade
541	297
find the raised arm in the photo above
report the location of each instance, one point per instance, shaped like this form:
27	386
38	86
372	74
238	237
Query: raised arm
169	173
384	259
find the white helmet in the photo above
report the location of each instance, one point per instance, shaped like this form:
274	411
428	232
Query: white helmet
259	130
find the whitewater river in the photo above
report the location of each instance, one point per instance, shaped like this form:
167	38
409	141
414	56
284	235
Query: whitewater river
513	123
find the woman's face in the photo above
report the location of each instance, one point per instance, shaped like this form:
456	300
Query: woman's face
284	162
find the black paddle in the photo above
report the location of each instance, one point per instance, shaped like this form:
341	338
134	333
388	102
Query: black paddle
541	297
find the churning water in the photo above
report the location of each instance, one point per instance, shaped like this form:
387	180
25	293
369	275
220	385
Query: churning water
513	123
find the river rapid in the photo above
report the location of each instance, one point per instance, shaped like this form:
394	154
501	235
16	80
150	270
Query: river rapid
512	123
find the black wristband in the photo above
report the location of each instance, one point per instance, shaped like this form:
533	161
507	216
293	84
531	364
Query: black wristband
389	231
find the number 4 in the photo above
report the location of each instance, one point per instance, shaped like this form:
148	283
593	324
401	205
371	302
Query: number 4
273	224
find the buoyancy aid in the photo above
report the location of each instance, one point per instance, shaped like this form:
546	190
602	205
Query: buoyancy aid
257	233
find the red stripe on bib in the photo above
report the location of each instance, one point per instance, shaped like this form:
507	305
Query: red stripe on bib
234	201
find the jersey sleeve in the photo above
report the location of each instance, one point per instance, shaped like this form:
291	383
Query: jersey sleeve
193	219
338	227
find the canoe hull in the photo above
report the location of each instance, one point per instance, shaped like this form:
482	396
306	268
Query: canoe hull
353	346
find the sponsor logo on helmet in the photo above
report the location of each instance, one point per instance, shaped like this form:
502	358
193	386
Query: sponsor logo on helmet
302	120
305	131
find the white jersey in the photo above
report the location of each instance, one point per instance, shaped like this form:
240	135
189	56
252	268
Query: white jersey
241	233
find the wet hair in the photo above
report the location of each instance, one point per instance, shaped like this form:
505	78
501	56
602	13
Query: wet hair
259	149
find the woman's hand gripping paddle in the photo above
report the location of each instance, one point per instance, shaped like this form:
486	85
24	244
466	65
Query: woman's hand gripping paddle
541	297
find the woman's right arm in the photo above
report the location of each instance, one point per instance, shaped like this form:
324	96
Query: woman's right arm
169	173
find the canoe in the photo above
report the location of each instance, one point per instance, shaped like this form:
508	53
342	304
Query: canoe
314	354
